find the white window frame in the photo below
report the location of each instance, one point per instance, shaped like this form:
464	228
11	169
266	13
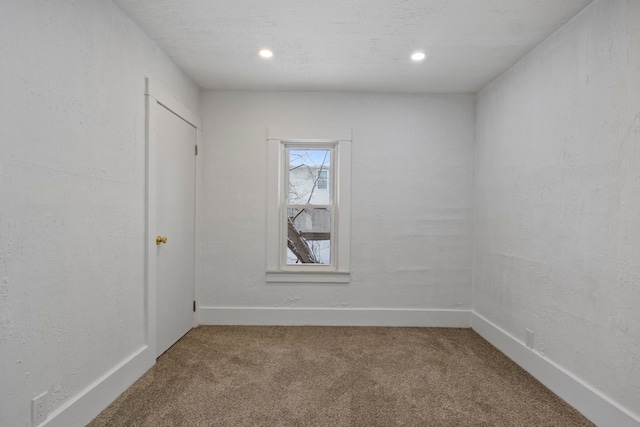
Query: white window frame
287	146
278	140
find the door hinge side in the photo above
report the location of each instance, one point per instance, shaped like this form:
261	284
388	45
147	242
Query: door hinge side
196	150
194	306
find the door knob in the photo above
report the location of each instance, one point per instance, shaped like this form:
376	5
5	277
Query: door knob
160	239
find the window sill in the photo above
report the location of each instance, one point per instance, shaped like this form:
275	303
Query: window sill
281	276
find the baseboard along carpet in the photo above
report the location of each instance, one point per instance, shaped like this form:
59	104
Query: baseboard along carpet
336	376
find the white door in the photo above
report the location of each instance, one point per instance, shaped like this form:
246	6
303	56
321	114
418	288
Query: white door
175	214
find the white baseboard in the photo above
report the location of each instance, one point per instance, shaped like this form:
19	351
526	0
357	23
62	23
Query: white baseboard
590	402
594	405
333	317
83	408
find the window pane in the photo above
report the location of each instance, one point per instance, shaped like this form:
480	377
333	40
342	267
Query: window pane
308	236
309	172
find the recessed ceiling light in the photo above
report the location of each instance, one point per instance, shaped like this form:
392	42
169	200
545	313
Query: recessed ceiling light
418	56
265	53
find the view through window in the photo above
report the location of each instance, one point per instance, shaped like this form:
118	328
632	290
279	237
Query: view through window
309	207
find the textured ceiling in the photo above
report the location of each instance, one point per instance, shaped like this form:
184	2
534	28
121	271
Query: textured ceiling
348	45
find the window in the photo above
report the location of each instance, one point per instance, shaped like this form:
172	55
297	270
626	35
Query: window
308	205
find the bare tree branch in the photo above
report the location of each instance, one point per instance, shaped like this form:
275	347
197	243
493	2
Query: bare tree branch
298	245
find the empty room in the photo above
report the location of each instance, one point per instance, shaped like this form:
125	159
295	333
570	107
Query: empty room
319	213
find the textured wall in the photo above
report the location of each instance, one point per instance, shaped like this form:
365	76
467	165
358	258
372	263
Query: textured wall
558	199
411	199
72	195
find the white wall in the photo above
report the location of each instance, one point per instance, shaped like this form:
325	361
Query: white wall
72	169
411	200
557	199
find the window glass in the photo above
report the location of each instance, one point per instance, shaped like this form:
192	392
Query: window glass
308	236
308	176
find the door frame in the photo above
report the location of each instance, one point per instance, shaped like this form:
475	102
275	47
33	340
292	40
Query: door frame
157	97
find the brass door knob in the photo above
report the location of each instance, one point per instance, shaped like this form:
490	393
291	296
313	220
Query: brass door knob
160	239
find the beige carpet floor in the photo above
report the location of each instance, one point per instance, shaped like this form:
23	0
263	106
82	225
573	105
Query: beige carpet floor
336	376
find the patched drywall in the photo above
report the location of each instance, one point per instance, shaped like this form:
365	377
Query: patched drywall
558	199
72	171
411	199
